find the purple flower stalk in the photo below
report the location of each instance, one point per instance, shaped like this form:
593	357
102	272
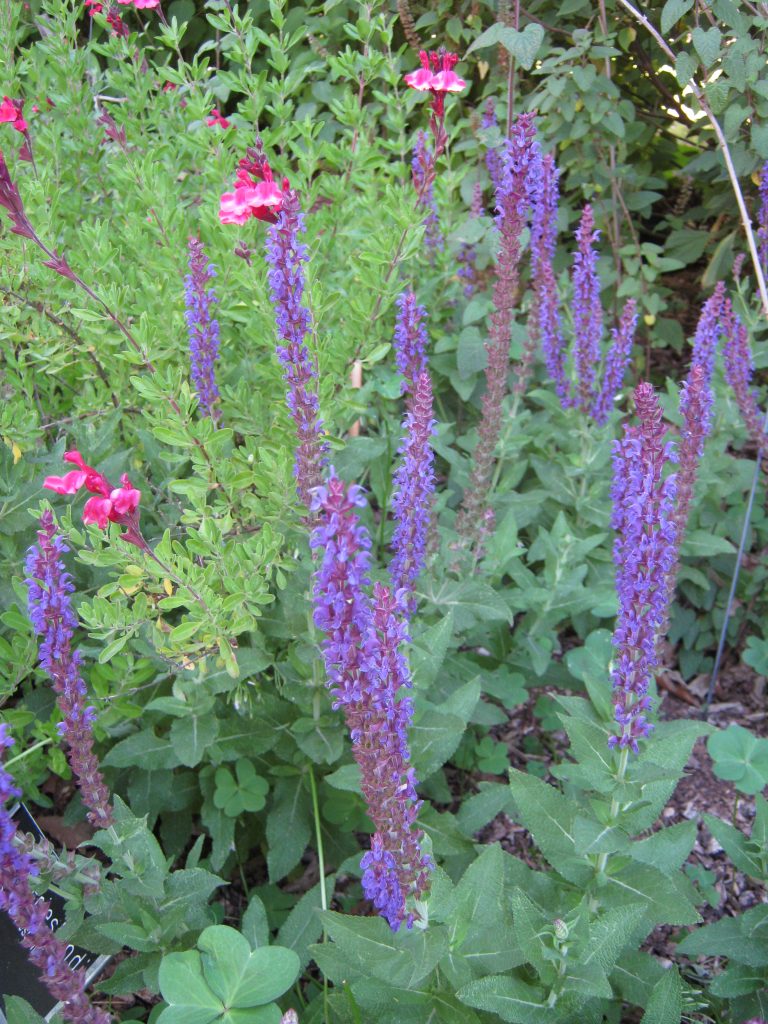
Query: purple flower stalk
644	553
203	328
739	367
696	402
513	204
493	155
423	170
50	612
587	311
762	219
285	255
616	363
708	330
414	483
544	320
410	341
29	912
366	669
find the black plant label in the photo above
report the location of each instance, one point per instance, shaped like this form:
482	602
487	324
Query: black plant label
18	977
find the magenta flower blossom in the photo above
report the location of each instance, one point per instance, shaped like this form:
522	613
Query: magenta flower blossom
28	912
644	554
109	504
437	77
366	670
203	328
286	255
587	311
50	612
414	486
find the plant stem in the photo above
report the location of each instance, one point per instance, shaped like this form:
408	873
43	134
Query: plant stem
319	839
602	860
27	752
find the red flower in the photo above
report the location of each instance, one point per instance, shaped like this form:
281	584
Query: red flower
217	118
10	113
93	7
113	504
256	193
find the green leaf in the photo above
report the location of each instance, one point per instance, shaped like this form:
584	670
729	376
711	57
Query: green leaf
143	748
740	757
289	826
303	925
666	1003
191	737
742	938
523	46
254	925
183	986
685	67
428	652
242	977
707	44
549	817
509	998
701	544
672	12
18	1011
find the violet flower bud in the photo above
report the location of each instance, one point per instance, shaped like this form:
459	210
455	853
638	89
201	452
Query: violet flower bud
203	328
285	255
644	552
50	611
29	913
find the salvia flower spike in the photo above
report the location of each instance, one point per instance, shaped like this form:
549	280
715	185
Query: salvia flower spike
644	551
513	205
423	171
203	327
414	486
587	311
410	341
366	669
616	363
762	219
286	255
739	367
29	913
49	586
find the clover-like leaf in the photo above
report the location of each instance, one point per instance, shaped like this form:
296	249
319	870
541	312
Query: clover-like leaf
740	757
184	988
244	791
242	977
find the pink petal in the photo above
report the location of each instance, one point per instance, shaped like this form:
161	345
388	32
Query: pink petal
125	500
421	79
8	111
97	510
68	484
447	81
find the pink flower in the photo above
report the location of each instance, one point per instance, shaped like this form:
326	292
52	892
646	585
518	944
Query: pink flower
217	118
256	193
93	7
169	87
110	504
141	4
10	113
436	73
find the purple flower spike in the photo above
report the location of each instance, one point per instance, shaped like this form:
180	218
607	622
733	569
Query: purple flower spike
616	363
513	201
762	219
28	912
410	341
285	255
423	170
203	327
644	554
587	311
414	484
708	331
739	367
50	611
493	156
544	321
366	671
696	402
